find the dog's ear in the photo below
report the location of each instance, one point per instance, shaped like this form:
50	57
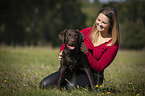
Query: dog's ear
61	35
81	37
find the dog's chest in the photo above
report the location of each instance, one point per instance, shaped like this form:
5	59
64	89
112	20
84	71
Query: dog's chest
72	62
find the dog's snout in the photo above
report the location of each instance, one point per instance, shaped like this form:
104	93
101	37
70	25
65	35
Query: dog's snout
72	40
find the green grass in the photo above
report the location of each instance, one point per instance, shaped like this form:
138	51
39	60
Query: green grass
21	70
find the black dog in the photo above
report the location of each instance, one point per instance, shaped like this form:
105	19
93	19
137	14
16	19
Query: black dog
72	57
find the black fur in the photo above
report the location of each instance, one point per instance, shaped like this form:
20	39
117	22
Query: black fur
72	57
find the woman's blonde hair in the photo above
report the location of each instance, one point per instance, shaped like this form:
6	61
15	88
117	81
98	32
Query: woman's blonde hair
111	13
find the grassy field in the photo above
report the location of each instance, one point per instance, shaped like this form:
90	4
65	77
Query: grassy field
22	68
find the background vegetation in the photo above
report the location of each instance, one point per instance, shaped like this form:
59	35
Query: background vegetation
22	68
38	22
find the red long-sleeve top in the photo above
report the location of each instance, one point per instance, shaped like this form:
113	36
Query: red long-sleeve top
99	57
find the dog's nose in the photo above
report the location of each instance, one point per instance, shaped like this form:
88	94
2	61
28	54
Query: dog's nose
72	40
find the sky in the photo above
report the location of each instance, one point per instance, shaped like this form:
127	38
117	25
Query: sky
106	1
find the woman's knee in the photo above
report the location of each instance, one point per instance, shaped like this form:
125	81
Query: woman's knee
70	86
43	84
49	81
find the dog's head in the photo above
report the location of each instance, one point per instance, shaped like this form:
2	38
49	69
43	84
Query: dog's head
72	38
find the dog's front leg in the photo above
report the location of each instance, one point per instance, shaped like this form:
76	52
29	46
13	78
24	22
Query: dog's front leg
89	74
87	69
61	75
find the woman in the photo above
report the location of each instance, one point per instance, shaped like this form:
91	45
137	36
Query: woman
100	46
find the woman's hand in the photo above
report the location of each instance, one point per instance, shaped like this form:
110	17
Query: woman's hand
84	48
60	55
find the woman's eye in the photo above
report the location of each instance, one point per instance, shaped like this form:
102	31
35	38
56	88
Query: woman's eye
99	20
104	22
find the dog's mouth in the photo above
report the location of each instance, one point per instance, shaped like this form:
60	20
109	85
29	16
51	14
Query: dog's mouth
71	47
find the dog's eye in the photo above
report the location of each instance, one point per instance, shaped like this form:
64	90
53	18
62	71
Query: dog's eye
69	35
75	36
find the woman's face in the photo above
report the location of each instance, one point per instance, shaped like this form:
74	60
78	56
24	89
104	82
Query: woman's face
102	22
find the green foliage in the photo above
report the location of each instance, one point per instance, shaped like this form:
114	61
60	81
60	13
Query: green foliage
132	36
90	10
23	68
38	22
26	22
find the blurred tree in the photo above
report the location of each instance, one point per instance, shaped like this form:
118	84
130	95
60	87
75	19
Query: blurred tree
90	9
27	22
38	21
12	30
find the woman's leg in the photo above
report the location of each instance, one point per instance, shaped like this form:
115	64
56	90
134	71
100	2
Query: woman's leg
70	81
50	80
82	80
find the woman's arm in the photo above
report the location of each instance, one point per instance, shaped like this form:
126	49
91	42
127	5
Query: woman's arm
105	60
62	48
60	52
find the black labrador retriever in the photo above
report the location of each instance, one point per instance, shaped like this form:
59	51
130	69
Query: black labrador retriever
72	57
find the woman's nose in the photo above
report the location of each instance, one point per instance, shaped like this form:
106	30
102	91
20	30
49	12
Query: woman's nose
100	23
